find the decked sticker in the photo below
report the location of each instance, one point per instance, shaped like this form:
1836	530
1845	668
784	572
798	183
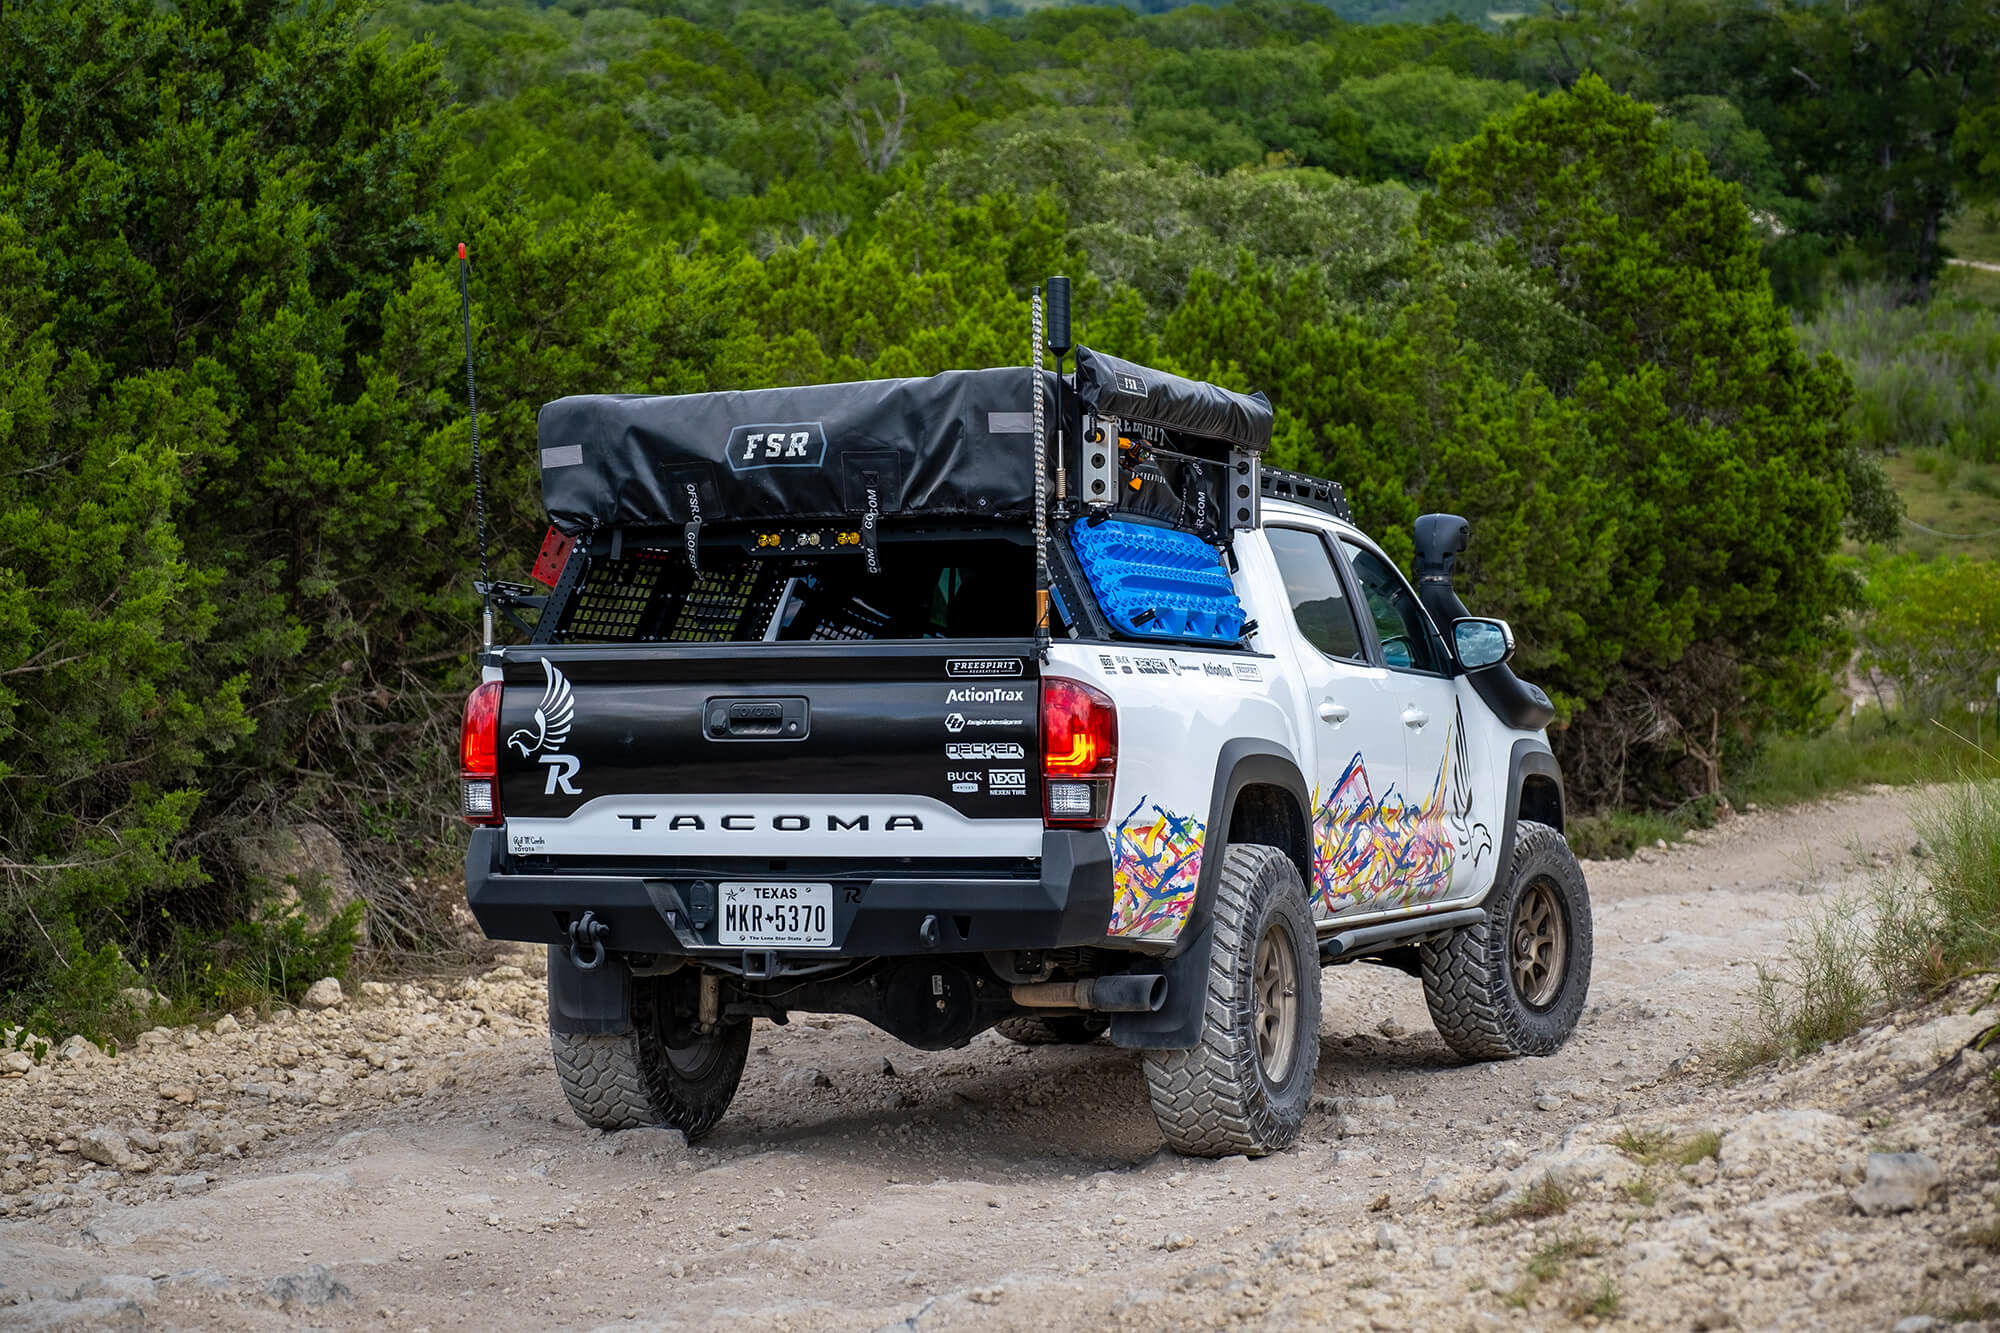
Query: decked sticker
984	750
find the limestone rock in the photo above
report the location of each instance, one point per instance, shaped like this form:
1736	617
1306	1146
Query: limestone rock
106	1147
315	1287
1764	1139
1572	1166
16	1062
1897	1182
324	993
304	868
1924	1047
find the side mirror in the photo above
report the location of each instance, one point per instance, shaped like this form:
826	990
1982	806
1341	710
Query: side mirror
1481	643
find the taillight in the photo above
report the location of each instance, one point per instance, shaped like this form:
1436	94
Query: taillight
479	755
1079	754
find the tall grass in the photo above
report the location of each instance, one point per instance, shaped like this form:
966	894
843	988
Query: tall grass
1924	376
1914	932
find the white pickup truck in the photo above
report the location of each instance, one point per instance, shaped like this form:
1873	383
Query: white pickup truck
794	731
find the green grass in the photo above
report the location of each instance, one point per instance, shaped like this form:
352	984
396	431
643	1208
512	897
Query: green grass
1546	1199
1975	234
1601	1300
1943	492
1918	928
1698	1147
1558	1254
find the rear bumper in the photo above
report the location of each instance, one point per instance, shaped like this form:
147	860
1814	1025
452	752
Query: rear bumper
875	915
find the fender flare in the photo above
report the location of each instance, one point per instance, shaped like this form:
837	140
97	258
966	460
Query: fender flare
1530	757
1242	762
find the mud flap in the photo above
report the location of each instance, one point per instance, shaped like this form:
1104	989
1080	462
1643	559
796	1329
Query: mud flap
1175	1025
599	1000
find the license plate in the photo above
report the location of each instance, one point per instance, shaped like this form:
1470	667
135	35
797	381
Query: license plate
776	915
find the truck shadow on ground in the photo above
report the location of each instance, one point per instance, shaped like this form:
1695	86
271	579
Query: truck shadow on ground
1054	1109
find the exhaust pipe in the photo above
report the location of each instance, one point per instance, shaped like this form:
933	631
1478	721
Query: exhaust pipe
1140	993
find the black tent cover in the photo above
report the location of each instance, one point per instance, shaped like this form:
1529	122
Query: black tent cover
954	445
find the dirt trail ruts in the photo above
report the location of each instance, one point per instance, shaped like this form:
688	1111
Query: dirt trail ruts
405	1160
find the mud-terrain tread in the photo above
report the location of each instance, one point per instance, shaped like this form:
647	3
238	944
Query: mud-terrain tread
1465	978
1207	1099
602	1077
629	1079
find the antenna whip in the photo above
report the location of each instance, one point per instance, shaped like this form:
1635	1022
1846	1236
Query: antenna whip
1041	486
478	468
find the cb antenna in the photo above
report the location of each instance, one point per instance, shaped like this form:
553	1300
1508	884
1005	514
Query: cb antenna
1041	484
485	584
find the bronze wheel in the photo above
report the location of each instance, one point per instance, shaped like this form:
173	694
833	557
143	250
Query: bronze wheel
1538	945
1276	980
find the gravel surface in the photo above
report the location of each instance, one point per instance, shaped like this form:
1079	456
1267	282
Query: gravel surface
401	1157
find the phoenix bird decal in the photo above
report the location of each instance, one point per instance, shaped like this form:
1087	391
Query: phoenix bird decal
553	716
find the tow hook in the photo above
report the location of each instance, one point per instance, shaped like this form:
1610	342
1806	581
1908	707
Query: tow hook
586	942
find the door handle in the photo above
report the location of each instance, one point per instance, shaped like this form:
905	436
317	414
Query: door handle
1329	711
1414	718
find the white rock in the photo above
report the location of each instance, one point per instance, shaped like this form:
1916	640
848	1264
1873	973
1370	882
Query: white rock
75	1050
226	1025
1571	1166
1918	1323
1925	1047
324	993
1390	1237
105	1146
118	1287
652	1142
1897	1182
16	1062
1764	1139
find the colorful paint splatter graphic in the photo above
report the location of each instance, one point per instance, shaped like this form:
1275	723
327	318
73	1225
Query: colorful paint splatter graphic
1156	863
1373	851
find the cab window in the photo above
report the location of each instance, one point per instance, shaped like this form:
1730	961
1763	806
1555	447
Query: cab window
1320	605
1400	622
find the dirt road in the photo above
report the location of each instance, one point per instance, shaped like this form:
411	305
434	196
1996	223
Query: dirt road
405	1160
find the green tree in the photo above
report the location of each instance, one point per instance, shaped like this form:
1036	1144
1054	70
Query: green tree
1721	436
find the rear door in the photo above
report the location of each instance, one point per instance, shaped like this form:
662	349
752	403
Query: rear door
1358	753
657	753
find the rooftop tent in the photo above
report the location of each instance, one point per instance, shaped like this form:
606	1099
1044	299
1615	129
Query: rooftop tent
954	445
1114	388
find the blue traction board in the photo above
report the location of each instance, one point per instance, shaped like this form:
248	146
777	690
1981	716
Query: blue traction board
1158	583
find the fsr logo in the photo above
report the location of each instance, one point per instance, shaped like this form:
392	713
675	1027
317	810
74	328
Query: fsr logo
777	444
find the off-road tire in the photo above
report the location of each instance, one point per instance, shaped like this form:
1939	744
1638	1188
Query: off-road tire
1053	1030
1216	1099
625	1080
1469	976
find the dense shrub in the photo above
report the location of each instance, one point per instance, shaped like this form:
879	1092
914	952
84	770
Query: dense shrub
1932	633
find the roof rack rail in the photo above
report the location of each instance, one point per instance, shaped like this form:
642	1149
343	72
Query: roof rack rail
1316	492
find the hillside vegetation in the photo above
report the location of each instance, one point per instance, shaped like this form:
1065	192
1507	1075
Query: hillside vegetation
1535	273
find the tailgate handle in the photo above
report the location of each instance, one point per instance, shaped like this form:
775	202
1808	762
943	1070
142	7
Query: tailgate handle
756	719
